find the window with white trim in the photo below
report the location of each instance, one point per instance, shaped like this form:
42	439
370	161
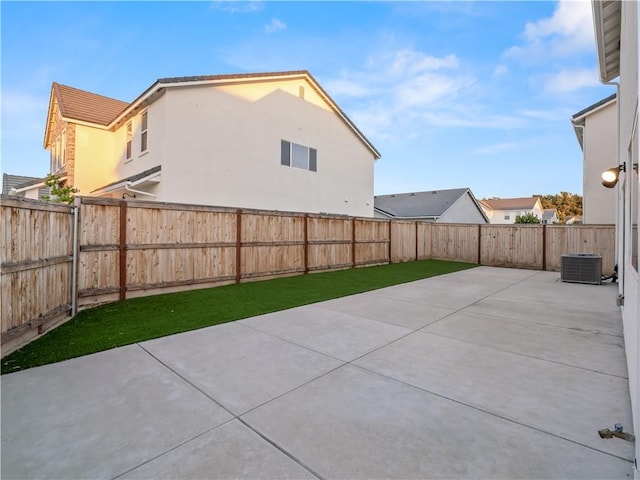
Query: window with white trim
507	217
129	133
59	152
298	156
143	132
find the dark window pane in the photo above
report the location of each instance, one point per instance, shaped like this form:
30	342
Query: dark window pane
143	141
313	160
285	153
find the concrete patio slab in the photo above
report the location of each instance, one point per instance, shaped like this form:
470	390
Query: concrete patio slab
565	401
339	335
354	424
404	314
228	452
484	373
238	367
97	416
578	317
584	349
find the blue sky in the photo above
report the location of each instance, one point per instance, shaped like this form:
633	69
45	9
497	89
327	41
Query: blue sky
453	94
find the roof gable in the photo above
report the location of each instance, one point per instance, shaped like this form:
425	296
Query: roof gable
431	204
85	106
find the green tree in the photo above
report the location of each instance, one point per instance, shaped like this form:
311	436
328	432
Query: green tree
567	204
59	193
528	217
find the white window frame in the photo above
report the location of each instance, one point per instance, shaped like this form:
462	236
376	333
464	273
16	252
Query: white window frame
128	145
144	129
289	157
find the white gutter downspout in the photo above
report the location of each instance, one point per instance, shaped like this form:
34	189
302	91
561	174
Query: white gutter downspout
128	185
129	189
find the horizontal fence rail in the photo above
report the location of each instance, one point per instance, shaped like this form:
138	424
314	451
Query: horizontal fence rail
126	249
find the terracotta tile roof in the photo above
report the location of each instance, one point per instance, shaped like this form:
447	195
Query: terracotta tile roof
523	203
86	106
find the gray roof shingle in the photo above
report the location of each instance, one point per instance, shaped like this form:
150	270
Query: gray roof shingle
419	204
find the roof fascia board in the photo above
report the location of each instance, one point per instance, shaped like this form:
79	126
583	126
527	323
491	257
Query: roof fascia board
598	24
47	131
576	120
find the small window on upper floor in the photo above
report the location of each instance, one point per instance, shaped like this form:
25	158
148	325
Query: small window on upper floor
507	217
298	156
143	132
129	133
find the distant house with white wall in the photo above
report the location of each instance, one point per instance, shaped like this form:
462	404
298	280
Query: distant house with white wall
549	216
616	31
436	206
595	128
272	141
503	211
23	186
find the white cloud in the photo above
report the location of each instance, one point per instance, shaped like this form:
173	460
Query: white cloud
275	26
238	6
500	70
495	148
347	88
568	31
570	80
410	62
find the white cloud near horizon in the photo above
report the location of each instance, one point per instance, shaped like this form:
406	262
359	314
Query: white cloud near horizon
570	80
496	147
275	25
238	6
569	30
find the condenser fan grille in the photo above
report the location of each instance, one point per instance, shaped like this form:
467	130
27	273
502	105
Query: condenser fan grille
582	268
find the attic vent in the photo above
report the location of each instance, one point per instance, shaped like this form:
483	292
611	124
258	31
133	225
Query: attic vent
434	192
301	92
581	268
393	196
412	195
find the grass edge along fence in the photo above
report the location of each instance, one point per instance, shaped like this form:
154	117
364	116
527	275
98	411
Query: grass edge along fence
56	259
144	318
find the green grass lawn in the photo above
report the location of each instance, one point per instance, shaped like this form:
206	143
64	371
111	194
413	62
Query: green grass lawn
130	321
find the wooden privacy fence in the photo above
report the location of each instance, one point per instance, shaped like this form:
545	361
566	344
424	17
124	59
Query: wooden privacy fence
36	265
125	249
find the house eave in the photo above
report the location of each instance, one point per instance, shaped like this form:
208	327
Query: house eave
607	27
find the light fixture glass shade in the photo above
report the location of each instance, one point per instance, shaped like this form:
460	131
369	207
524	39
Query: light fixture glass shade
610	177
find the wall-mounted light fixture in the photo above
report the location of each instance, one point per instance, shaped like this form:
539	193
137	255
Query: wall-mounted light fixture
611	175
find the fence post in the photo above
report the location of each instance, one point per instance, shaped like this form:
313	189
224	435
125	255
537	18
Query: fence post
123	250
389	242
416	241
238	245
479	244
76	257
544	247
353	242
306	243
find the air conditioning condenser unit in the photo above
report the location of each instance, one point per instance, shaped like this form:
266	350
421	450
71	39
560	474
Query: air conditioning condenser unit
581	268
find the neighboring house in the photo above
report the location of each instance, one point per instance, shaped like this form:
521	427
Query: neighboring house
272	141
616	31
21	186
441	206
574	220
505	210
595	127
549	216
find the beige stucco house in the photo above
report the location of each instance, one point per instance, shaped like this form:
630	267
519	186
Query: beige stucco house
273	141
616	31
457	205
595	128
503	211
